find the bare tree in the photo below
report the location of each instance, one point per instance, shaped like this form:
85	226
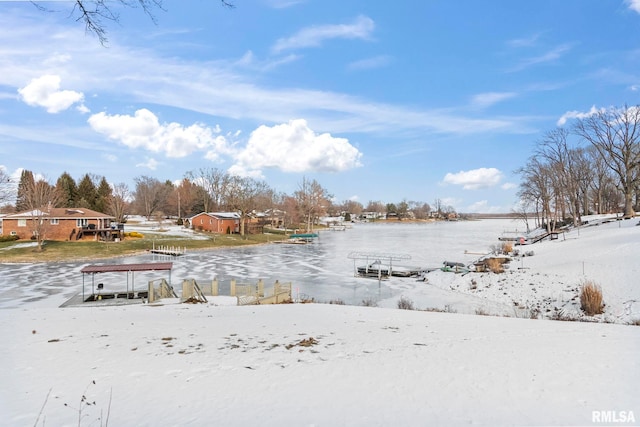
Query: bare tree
119	201
353	207
242	195
376	206
39	198
150	195
536	188
615	133
6	189
312	200
561	159
437	207
95	14
214	182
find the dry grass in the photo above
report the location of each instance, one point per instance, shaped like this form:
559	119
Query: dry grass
405	304
495	265
591	299
507	247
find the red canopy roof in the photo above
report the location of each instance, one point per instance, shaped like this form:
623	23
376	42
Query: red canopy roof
149	266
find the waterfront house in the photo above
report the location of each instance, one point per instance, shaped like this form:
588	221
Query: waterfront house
216	222
63	224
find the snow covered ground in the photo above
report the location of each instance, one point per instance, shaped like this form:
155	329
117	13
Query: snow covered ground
318	364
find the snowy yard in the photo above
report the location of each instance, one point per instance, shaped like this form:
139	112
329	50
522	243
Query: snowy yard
321	364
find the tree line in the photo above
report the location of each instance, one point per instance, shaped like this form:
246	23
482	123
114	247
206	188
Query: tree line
202	190
590	167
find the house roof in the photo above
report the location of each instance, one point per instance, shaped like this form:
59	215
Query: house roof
61	213
220	215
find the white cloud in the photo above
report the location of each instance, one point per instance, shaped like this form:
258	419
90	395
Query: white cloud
633	5
143	130
150	163
313	36
45	92
524	42
508	185
294	147
483	206
83	109
110	157
550	56
474	179
370	63
577	115
484	100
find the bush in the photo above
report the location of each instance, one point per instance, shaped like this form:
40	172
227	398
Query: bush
336	301
591	299
8	238
405	304
495	265
369	302
134	234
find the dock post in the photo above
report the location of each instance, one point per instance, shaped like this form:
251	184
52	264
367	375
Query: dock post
260	288
233	287
214	287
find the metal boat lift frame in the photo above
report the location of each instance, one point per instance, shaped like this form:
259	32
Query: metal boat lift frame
383	259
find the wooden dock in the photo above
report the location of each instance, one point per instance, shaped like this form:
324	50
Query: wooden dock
168	250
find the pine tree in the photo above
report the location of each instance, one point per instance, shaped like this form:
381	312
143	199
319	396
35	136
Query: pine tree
68	190
105	194
26	182
87	193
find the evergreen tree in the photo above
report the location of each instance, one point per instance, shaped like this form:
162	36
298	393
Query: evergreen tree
104	195
26	182
87	193
67	190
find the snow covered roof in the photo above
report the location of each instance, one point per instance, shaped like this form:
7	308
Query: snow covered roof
61	213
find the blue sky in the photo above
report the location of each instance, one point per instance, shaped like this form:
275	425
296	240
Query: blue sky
390	101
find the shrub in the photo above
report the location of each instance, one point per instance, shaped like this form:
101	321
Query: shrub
134	234
495	265
8	238
405	304
369	302
336	302
591	299
507	247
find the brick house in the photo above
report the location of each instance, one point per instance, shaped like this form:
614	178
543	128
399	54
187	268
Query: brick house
64	224
216	222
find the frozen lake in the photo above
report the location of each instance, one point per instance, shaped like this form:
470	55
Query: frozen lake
321	270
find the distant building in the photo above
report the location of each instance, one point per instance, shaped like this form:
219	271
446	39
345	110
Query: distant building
216	222
63	224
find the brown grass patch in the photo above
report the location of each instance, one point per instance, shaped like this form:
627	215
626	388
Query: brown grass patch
495	265
591	299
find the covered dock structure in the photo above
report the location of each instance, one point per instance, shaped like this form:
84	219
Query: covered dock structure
92	291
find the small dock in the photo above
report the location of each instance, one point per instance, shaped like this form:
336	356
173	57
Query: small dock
168	250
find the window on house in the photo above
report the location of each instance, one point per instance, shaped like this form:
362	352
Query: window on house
201	221
82	222
22	223
54	221
13	233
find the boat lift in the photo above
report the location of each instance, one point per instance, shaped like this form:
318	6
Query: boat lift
378	265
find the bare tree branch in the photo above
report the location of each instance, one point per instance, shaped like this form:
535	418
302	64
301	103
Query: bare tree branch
95	14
